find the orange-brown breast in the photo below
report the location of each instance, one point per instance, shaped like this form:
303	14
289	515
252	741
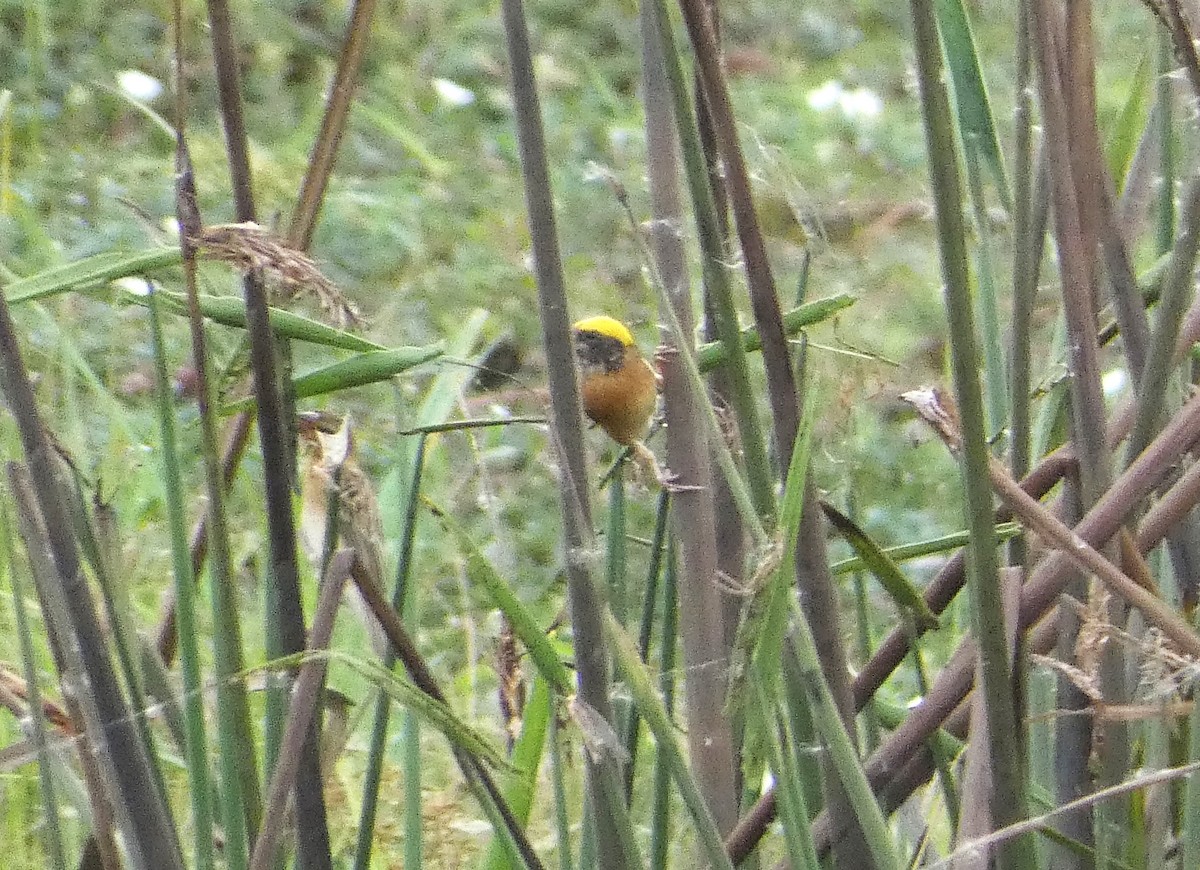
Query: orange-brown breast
622	401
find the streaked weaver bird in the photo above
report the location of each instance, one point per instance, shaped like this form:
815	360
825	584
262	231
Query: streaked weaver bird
620	389
329	470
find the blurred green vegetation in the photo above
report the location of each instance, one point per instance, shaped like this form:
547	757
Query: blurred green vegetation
424	221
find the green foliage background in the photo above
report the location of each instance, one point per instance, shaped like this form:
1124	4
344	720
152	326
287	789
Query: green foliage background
424	221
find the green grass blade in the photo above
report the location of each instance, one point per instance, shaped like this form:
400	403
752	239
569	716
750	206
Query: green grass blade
384	118
973	110
614	547
660	814
651	709
399	507
1164	212
88	272
562	820
1003	732
793	812
53	835
195	745
986	301
801	734
402	598
1126	132
617	585
482	572
890	577
359	370
712	354
440	401
410	743
231	311
646	628
366	368
930	547
769	636
527	758
66	347
842	751
275	701
431	711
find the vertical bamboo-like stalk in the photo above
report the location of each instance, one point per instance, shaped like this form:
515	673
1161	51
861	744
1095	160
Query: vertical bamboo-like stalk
276	441
562	821
238	769
196	744
303	707
812	572
1007	798
141	808
586	604
719	295
401	596
863	840
238	782
764	300
629	736
710	735
819	599
300	231
1191	807
731	530
333	123
53	832
660	813
637	679
1065	58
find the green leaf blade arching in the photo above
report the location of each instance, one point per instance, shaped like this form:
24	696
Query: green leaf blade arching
358	371
902	592
88	272
972	107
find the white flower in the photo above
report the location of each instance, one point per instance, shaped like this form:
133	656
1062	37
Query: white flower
133	284
1113	381
139	85
861	103
453	94
825	97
